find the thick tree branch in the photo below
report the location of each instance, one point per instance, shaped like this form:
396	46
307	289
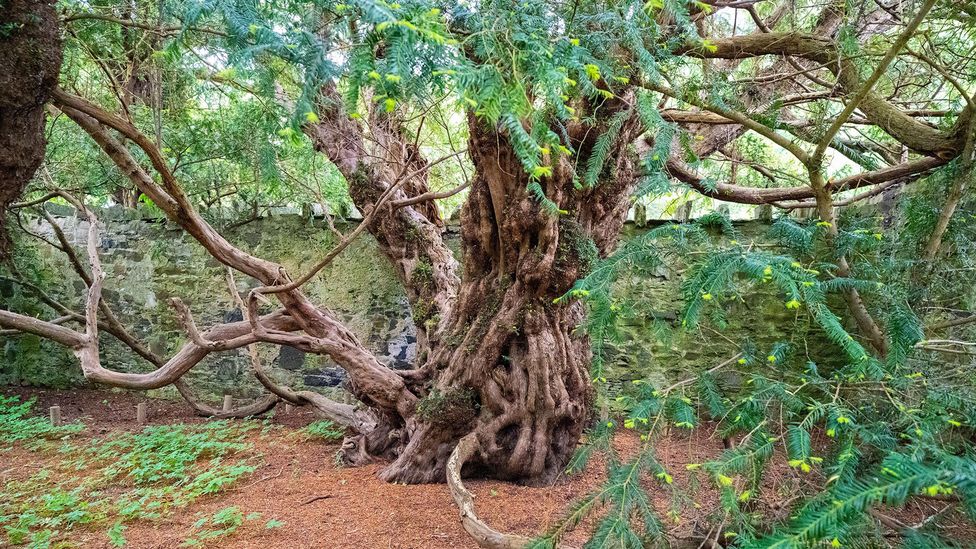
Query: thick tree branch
904	128
370	379
410	235
49	330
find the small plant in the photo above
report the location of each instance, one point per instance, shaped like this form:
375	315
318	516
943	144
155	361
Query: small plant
324	430
115	535
223	523
16	423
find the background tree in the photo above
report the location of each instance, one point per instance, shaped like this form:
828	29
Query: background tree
30	33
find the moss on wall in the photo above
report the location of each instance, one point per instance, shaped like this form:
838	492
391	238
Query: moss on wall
149	262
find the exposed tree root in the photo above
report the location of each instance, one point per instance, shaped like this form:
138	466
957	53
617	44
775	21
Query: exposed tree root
483	534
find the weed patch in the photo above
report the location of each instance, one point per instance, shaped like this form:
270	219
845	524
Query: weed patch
324	430
104	483
16	423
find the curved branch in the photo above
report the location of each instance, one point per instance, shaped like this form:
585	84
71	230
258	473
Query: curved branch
844	202
190	355
114	326
904	128
259	406
431	195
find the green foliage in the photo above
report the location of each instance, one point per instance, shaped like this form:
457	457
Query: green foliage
324	430
640	255
17	424
869	430
149	472
116	535
595	163
163	454
628	502
824	518
219	525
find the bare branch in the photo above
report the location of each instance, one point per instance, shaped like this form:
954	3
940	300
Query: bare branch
259	406
382	386
49	330
737	117
430	196
756	195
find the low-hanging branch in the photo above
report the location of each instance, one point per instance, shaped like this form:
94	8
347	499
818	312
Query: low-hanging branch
327	334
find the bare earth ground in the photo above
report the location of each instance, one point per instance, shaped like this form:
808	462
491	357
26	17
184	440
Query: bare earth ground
322	505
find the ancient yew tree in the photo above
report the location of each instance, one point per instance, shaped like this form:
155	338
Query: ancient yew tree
560	116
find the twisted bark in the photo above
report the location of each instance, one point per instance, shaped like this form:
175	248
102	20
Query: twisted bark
510	368
409	233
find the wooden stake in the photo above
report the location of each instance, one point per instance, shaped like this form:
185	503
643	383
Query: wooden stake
141	413
55	415
228	402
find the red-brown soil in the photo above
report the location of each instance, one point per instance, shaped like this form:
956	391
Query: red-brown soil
322	505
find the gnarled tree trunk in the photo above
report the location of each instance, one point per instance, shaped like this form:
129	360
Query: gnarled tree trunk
507	361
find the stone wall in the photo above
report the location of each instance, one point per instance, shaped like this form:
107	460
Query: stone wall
149	261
